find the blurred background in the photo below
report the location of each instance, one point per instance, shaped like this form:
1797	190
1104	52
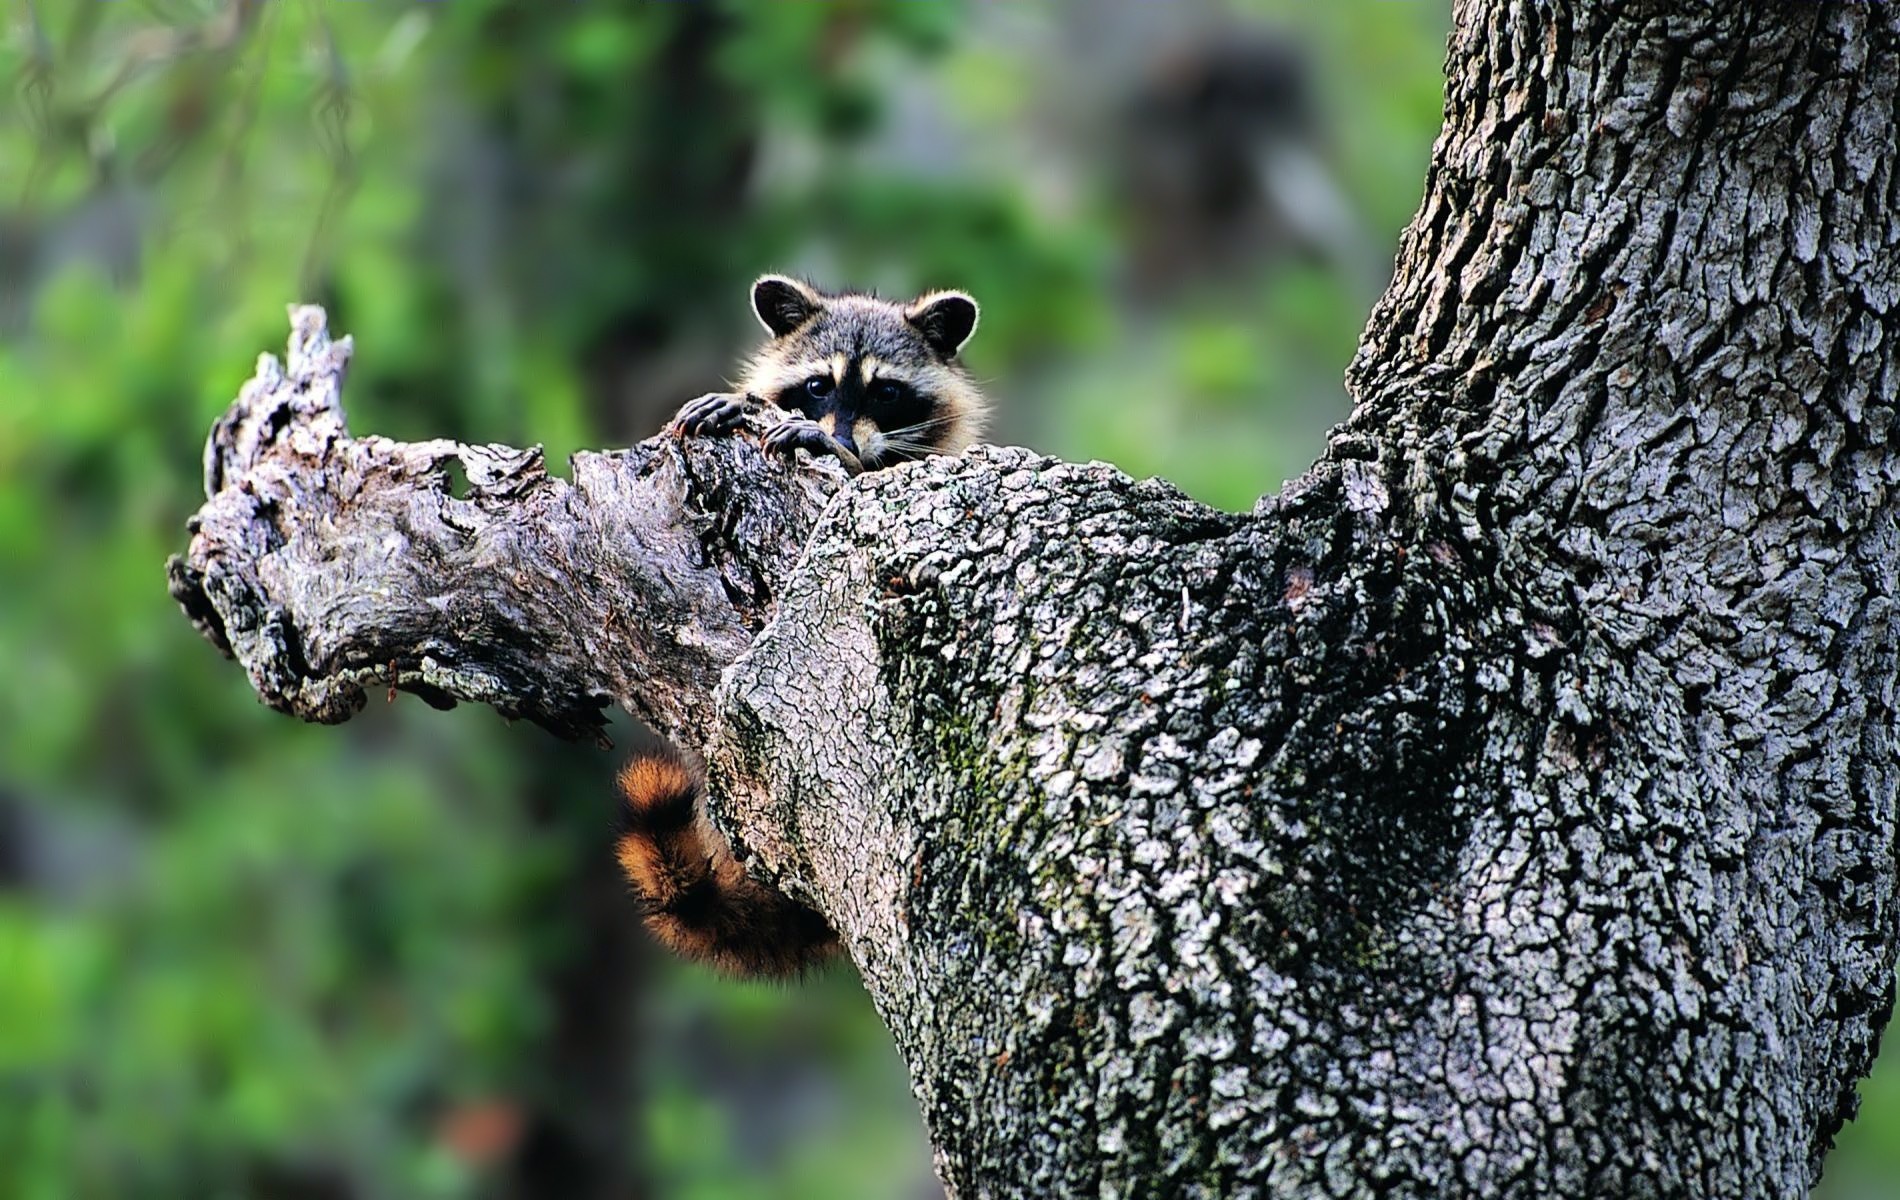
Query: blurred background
242	957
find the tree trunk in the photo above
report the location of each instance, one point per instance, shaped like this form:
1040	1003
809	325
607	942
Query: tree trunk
1506	809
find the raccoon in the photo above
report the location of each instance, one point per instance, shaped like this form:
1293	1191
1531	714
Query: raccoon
875	383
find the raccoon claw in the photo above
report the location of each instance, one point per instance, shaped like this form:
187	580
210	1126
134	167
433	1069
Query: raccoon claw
713	413
793	434
801	434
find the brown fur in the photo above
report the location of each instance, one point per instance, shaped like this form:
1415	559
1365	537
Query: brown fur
698	898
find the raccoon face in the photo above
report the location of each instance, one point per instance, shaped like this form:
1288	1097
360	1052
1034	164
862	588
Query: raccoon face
881	379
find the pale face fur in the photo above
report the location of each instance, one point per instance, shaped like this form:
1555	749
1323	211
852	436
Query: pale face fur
881	378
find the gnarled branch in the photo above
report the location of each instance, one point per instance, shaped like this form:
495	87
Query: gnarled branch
326	564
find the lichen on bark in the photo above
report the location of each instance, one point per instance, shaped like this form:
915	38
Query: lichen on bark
1135	774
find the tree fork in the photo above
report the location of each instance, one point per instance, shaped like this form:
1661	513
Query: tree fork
1507	808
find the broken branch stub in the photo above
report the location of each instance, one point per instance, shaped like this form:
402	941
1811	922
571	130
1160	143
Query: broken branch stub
327	564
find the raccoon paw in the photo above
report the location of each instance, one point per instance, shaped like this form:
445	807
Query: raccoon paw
713	413
801	434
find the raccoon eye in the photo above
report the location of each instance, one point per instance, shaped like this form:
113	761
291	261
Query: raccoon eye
887	391
818	386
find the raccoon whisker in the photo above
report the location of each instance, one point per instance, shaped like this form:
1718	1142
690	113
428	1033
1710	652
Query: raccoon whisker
907	445
923	426
945	419
908	431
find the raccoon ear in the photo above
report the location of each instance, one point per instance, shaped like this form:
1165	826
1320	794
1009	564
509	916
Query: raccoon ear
946	319
782	304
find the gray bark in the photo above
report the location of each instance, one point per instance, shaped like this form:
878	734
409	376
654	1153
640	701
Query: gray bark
1505	809
328	564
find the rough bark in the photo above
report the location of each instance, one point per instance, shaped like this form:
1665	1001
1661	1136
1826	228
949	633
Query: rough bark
327	564
1506	809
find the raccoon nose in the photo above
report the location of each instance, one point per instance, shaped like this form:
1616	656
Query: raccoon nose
839	427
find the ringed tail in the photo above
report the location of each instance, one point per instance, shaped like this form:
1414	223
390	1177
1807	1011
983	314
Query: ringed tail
698	899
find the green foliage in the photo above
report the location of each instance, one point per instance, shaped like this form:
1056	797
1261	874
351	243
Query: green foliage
248	955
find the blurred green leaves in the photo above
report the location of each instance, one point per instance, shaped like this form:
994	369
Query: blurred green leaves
246	957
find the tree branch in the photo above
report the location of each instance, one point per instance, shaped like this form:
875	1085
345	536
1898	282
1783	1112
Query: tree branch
327	564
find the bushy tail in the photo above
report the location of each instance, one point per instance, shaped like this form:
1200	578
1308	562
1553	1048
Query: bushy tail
699	901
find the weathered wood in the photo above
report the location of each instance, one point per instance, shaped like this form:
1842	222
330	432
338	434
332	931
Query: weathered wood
1507	809
328	564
